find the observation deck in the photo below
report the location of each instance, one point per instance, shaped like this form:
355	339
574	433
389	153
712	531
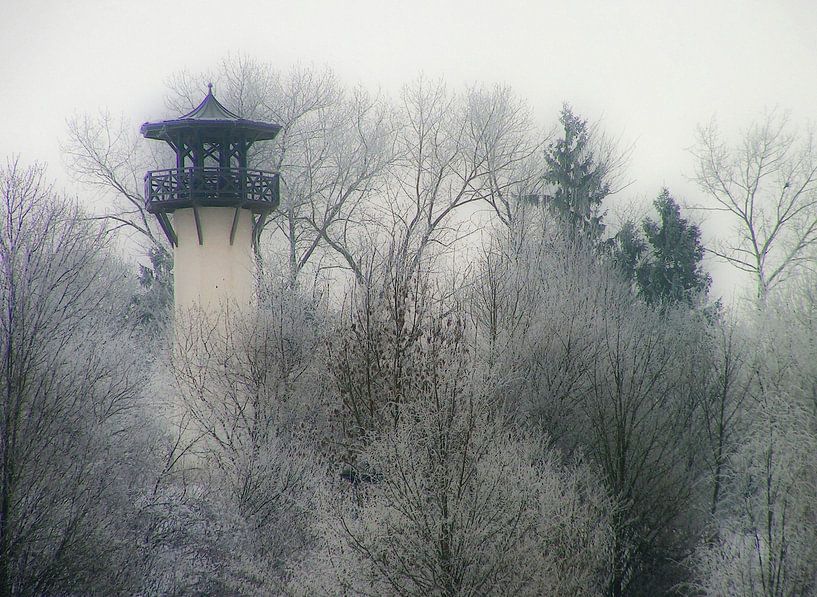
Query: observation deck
211	146
178	188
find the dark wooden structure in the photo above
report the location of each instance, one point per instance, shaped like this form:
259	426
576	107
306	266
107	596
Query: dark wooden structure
211	145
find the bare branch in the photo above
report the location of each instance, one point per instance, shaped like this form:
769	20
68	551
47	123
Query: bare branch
767	183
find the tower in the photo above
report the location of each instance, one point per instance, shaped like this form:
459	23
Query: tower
211	206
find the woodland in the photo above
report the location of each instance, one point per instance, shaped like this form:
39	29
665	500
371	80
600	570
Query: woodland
464	376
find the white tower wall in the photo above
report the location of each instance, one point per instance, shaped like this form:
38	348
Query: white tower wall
214	274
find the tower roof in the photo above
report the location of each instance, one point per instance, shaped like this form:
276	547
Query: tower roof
210	118
210	109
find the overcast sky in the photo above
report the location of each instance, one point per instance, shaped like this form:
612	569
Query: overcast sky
651	70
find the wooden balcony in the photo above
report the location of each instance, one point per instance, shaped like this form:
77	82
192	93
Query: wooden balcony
178	188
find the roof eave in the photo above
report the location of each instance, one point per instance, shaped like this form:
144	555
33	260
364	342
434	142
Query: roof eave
257	130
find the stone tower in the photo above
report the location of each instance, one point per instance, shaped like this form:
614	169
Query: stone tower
211	206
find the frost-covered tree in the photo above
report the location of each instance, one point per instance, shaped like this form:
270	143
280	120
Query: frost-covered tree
455	152
725	410
450	501
376	352
248	404
69	407
765	182
762	542
606	376
152	305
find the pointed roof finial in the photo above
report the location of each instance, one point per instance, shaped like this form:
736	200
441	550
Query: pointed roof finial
214	116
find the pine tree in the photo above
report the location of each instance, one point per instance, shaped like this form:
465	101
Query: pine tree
628	248
666	263
151	307
579	181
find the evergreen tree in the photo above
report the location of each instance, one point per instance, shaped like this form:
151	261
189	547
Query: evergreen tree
628	248
666	263
674	273
151	307
578	179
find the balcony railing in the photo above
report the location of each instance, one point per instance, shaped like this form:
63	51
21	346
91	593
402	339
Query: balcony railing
174	188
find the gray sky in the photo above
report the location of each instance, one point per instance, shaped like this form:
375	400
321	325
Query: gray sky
651	70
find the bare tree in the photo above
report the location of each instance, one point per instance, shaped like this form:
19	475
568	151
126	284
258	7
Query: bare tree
69	387
333	147
454	151
766	183
606	376
765	534
105	152
250	389
355	172
725	411
449	501
335	180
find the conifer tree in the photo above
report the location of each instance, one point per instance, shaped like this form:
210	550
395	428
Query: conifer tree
674	272
578	178
665	263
